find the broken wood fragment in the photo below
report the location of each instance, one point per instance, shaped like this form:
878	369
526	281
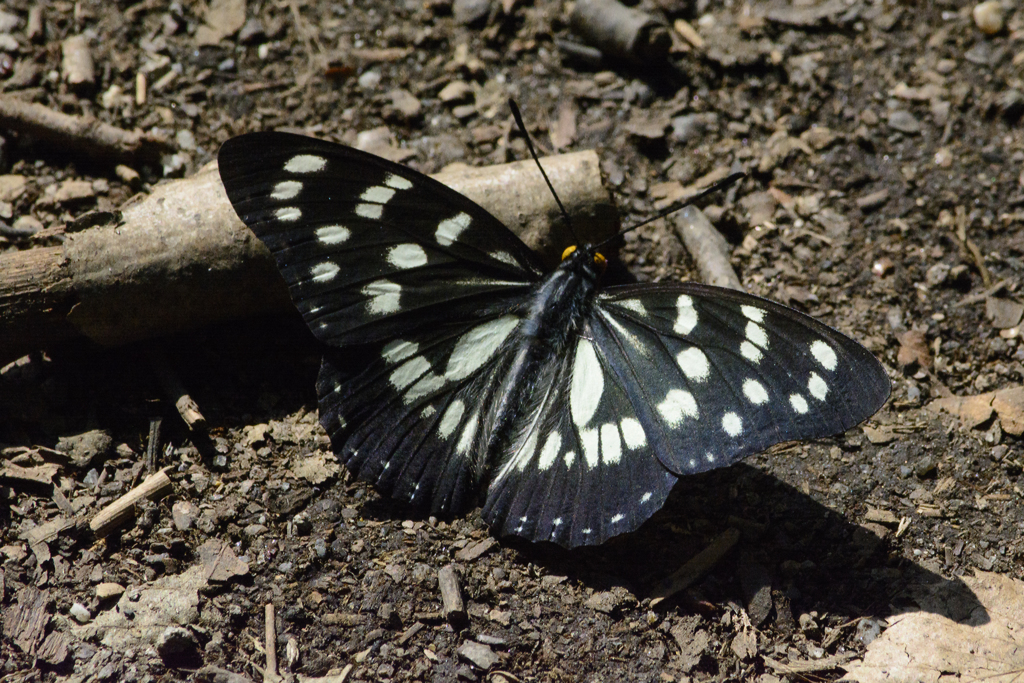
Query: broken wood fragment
690	572
153	487
451	598
707	246
620	32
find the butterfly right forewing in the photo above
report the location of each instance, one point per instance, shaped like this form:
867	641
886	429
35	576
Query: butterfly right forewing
370	249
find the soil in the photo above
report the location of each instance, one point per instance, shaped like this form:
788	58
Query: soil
884	152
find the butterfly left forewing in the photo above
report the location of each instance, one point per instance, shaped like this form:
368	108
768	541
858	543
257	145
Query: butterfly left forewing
369	248
718	375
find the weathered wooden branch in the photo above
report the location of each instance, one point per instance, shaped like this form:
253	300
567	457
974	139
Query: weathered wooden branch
180	258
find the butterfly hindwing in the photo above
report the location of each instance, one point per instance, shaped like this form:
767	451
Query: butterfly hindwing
369	249
412	418
583	471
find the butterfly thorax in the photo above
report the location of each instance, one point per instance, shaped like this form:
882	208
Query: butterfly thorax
559	306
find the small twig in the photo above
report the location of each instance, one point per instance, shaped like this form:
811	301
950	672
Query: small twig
186	406
109	518
709	248
270	674
86	135
153	445
981	296
696	567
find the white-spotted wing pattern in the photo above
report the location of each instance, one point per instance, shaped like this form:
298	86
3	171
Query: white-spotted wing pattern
456	373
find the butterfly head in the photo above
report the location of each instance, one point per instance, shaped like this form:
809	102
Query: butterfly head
594	259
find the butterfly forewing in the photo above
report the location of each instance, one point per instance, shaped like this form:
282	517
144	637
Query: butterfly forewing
367	247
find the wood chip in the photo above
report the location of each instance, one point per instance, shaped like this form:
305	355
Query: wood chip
451	598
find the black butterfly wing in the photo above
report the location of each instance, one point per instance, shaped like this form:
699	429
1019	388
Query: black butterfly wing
411	417
370	249
718	375
669	380
582	471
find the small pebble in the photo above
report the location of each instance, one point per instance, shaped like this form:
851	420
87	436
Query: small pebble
80	613
988	16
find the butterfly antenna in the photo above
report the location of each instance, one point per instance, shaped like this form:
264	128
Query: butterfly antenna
710	189
529	143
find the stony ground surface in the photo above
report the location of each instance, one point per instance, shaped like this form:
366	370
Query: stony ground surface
884	153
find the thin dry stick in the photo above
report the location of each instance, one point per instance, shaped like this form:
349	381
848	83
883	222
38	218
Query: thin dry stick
86	135
270	674
696	567
109	518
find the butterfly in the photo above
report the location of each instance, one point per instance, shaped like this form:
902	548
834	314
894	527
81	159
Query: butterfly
458	372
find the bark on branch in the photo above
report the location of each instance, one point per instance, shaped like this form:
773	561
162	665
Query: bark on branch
180	258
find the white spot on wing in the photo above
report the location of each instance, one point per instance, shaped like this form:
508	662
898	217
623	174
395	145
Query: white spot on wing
286	189
377	194
504	257
384	296
371	211
646	497
399	350
816	385
678	403
324	272
732	424
397	182
408	372
591	446
611	444
618	518
633	433
824	354
549	452
686	315
288	214
694	364
407	256
333	234
305	163
587	384
798	402
449	229
750	352
428	384
753	313
568	458
468	434
756	334
525	454
755	392
476	347
634	305
451	418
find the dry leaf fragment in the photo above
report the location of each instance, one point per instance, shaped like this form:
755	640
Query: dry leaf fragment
975	411
944	644
914	350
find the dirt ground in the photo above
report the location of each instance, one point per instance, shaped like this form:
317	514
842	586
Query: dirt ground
884	152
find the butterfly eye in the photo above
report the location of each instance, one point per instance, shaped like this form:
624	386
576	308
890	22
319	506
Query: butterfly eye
599	260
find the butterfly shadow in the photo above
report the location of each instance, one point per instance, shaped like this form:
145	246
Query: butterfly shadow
794	555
